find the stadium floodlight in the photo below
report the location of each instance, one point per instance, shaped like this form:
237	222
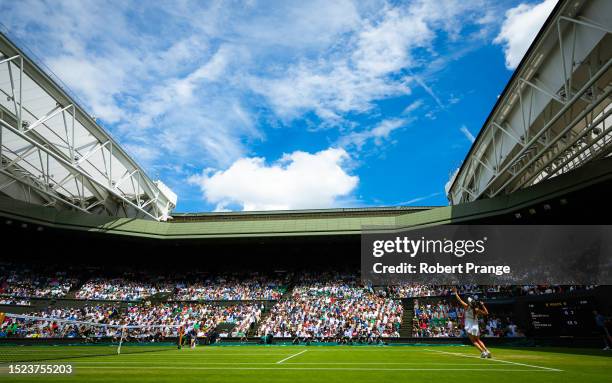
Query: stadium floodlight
53	153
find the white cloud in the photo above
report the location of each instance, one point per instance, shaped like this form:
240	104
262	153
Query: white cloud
309	25
385	47
520	27
96	81
192	83
151	85
177	92
429	91
330	58
466	132
298	180
419	199
144	154
368	65
379	134
211	133
328	89
413	106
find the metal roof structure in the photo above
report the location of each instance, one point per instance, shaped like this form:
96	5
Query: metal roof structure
553	117
286	225
305	213
554	114
53	153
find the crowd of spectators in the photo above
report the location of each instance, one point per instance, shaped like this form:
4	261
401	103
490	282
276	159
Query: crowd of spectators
119	289
331	306
329	284
153	321
437	319
325	306
440	318
62	323
500	326
230	287
26	282
22	282
416	290
14	301
329	318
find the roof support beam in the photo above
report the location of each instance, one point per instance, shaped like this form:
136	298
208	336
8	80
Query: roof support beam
8	62
73	168
564	131
554	119
27	182
92	151
54	112
565	71
73	135
600	122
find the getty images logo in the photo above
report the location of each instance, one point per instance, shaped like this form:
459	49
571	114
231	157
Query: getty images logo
414	247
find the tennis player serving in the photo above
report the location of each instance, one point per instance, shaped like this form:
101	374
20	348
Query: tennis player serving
473	309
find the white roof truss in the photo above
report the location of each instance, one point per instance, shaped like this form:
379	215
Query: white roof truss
55	154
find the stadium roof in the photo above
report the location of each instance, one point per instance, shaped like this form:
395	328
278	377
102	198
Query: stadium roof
305	213
313	223
53	153
554	114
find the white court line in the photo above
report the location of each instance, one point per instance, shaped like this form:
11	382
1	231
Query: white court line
496	360
130	355
382	363
312	368
286	364
181	354
291	356
367	349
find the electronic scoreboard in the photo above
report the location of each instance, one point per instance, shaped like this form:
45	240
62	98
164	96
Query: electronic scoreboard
562	317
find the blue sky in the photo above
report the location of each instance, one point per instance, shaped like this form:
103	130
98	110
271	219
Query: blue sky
259	105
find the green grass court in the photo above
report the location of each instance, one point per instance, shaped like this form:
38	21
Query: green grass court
321	364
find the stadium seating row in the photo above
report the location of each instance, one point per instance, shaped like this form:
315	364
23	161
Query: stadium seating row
23	283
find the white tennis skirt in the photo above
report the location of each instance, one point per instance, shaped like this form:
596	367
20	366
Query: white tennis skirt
472	329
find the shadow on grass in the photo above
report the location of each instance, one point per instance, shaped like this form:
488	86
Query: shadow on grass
563	350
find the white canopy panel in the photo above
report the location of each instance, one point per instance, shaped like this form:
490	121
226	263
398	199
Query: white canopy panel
53	153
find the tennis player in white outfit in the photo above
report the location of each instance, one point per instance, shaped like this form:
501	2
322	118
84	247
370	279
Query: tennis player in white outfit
474	308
